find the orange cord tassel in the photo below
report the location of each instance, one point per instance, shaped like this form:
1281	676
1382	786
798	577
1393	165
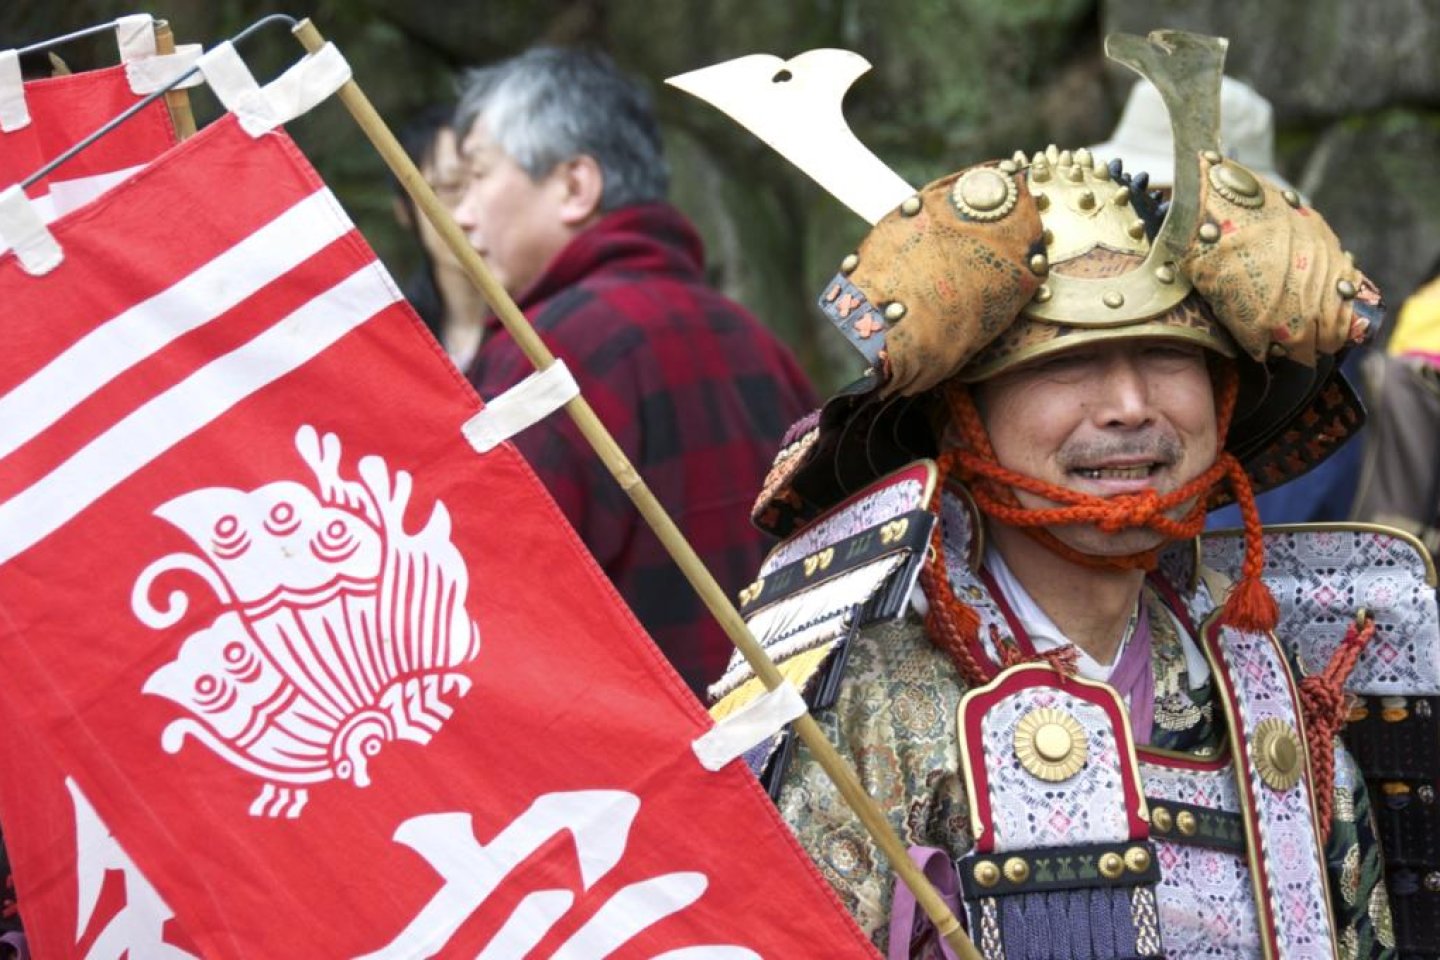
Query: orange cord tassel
1322	697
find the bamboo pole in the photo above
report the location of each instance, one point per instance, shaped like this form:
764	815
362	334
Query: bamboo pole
625	474
178	100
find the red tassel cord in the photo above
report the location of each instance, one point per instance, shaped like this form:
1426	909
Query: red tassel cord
1322	698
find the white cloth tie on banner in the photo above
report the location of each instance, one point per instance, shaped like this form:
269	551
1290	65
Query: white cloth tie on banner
135	35
750	726
528	402
293	93
14	114
150	74
22	228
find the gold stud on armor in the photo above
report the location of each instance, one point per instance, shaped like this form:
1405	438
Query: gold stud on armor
1039	265
895	312
1211	156
1114	300
1186	823
1042	202
1042	294
1121	198
1017	871
1111	865
1346	289
1137	859
1075	174
1278	753
1278	350
1162	819
984	194
1236	184
1136	229
910	207
1209	232
1050	744
848	265
1165	274
1291	197
986	873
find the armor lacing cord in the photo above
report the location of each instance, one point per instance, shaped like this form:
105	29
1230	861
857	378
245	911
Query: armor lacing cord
954	626
1322	697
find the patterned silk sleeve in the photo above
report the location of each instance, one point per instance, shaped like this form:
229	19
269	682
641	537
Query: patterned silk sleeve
1357	876
895	722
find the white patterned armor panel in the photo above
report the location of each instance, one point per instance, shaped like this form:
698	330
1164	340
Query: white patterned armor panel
1027	812
1207	904
1283	819
1321	577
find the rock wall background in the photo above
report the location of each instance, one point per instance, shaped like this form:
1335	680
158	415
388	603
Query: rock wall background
1355	85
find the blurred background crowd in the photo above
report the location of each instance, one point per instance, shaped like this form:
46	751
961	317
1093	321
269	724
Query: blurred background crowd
1355	88
1338	99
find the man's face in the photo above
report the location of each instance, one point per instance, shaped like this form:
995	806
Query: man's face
1105	419
512	221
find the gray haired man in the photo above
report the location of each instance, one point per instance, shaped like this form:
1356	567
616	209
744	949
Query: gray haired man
565	200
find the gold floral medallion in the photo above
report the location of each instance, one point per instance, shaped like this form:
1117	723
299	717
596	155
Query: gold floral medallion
1050	744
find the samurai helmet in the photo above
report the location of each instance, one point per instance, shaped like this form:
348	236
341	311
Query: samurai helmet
1009	260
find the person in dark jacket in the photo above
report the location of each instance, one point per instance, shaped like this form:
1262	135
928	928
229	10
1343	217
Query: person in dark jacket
566	202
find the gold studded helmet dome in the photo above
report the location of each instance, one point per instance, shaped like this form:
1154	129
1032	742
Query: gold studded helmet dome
1097	225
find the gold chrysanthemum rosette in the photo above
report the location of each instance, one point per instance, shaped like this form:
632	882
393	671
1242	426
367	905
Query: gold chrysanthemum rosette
1050	744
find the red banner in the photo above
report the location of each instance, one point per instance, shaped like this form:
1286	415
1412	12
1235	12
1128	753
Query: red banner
327	682
55	113
44	119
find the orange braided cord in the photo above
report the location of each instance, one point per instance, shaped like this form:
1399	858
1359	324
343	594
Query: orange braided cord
1250	606
993	486
1322	698
952	626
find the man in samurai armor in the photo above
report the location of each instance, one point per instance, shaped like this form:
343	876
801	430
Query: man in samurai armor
1100	732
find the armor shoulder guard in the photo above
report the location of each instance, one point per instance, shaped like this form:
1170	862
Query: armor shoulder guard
1322	575
852	566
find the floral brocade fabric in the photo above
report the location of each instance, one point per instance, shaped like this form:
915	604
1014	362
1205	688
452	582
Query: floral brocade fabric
895	721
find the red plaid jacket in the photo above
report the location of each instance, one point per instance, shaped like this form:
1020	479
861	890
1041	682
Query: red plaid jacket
696	392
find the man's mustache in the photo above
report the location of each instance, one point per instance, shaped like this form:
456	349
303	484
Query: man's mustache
1153	445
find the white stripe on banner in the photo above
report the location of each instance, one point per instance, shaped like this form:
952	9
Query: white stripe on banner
142	330
65	195
78	191
187	407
